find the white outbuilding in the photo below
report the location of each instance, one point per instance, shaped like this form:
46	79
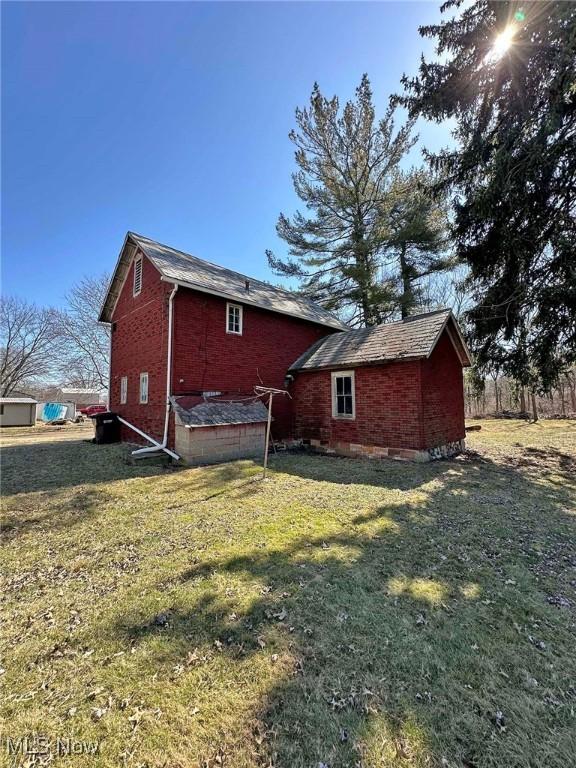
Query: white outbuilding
17	411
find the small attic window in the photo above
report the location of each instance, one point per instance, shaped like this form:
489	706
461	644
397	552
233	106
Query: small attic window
137	276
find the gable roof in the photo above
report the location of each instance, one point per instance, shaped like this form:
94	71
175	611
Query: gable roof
191	272
409	339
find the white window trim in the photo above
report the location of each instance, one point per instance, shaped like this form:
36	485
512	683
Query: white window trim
229	305
137	260
141	400
335	414
123	390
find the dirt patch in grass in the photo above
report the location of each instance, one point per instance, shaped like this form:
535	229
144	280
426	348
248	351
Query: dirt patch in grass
343	613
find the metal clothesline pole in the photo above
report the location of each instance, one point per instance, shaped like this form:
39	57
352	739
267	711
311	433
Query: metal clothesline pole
269	391
267	435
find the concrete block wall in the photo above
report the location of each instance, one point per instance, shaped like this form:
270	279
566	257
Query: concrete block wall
210	445
358	450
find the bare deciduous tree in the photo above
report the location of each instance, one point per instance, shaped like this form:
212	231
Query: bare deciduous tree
29	342
447	289
87	343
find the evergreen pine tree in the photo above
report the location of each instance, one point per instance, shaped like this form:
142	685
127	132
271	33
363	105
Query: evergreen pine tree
348	177
506	75
417	237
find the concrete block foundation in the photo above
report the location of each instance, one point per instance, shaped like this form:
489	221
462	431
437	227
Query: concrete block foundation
379	452
214	444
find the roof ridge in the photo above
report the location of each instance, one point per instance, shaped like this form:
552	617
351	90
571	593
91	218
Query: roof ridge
415	317
192	257
401	321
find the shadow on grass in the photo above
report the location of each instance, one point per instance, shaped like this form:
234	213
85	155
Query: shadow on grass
47	465
401	637
83	505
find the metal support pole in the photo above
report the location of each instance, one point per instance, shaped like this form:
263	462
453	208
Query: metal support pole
267	435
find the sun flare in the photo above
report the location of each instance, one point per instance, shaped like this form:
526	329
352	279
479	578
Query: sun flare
502	43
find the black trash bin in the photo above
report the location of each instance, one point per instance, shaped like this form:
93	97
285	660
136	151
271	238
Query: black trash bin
107	428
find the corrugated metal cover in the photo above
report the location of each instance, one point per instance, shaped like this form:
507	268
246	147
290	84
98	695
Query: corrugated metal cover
219	412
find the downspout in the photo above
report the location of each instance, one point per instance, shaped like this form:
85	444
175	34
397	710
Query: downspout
164	444
109	398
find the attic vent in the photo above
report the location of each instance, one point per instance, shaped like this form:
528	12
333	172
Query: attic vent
137	276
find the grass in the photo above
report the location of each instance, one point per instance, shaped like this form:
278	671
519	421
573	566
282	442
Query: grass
343	613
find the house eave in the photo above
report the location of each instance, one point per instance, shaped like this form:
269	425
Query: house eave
116	283
246	300
362	364
464	354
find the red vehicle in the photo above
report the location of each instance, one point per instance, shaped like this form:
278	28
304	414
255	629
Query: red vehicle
92	410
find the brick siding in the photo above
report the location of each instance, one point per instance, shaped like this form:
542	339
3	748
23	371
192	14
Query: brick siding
412	405
139	343
443	395
388	407
402	405
205	357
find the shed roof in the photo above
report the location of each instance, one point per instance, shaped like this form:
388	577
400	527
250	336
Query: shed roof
412	338
197	274
211	413
14	400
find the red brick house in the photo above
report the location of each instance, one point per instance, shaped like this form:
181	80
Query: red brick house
190	340
391	390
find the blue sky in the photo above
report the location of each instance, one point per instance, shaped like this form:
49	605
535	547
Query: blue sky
172	120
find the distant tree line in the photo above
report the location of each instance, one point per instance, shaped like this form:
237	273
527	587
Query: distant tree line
502	396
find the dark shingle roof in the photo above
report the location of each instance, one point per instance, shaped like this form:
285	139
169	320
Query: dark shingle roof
211	278
219	412
412	338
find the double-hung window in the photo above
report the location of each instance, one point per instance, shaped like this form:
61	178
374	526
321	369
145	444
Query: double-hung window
234	318
343	395
137	287
123	390
143	388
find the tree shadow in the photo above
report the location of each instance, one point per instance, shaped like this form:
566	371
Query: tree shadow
50	465
61	515
402	636
549	458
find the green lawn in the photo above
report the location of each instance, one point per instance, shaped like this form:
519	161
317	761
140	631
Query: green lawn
342	613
